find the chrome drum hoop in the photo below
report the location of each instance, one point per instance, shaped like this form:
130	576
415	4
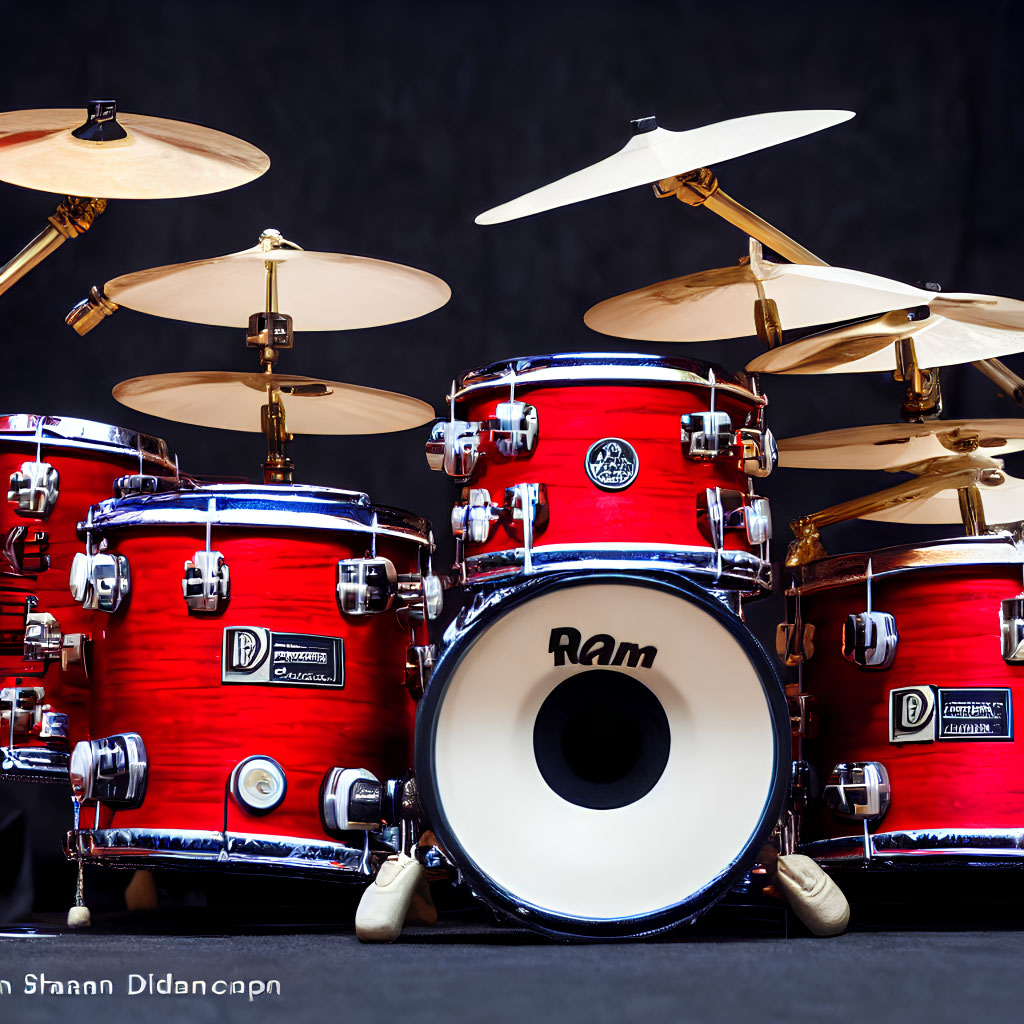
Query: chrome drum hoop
231	851
603	367
923	848
65	432
272	506
709	568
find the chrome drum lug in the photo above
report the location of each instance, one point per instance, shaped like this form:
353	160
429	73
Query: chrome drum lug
100	582
207	582
366	586
33	489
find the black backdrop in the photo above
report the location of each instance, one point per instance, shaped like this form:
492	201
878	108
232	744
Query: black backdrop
390	126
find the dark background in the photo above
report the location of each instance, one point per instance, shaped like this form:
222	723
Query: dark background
391	126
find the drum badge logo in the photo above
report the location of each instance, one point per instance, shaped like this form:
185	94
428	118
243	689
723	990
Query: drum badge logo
612	463
912	714
247	649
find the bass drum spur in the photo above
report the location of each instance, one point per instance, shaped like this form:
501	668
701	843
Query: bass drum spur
602	754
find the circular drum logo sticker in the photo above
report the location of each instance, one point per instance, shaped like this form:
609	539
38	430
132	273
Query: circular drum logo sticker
612	463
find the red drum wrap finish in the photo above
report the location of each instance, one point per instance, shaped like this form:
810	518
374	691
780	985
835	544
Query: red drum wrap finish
158	667
946	600
588	398
88	457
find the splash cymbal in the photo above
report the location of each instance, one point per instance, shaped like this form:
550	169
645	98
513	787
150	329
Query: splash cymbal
892	446
655	153
234	400
321	291
1002	498
712	305
156	159
867	348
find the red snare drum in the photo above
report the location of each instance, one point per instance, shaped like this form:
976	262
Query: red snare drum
920	743
625	461
54	468
230	724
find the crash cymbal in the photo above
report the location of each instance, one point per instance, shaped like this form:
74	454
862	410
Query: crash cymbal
655	153
156	159
891	446
320	291
1002	498
712	305
233	401
863	348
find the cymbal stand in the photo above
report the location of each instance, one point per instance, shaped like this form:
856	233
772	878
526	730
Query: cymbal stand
960	473
271	331
701	188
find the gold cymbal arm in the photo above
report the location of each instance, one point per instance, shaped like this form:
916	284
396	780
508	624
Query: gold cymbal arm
1003	377
808	547
73	217
701	188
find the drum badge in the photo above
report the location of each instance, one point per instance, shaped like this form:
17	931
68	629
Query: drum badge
255	655
612	463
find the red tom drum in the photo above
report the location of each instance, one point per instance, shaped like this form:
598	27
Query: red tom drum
251	648
622	461
910	694
54	467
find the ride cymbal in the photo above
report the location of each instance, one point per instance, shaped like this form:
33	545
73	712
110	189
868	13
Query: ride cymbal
1002	498
233	400
713	305
320	291
891	446
655	153
155	159
867	348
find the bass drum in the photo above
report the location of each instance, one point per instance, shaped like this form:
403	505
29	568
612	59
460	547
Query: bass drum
602	754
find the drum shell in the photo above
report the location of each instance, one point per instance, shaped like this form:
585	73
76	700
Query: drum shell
659	508
159	674
86	475
948	622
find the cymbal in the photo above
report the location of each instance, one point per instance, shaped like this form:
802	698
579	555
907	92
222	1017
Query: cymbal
891	446
1002	500
159	158
862	348
233	400
321	291
712	305
655	154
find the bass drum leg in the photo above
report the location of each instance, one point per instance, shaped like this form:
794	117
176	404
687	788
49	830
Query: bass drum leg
602	754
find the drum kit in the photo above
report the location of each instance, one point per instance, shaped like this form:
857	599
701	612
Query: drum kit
596	683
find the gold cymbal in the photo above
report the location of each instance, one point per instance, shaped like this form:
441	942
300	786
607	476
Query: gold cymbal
892	446
654	153
233	401
1001	495
320	291
871	347
717	304
157	159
